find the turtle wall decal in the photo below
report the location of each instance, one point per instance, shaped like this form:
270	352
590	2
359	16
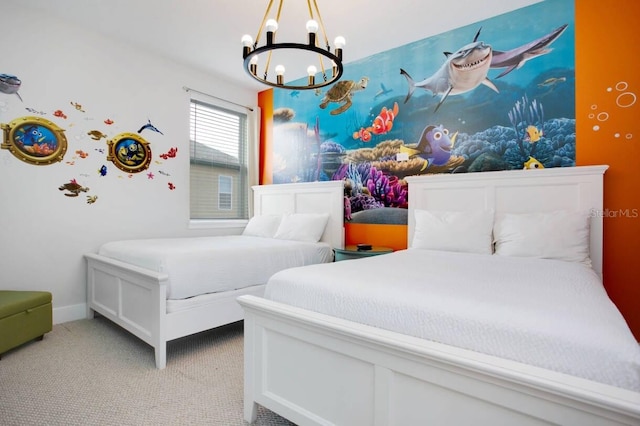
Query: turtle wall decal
73	188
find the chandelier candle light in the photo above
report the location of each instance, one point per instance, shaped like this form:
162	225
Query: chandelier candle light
251	51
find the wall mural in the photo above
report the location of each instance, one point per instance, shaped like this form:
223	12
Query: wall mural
37	140
495	95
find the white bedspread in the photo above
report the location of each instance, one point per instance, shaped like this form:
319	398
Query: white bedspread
203	265
546	313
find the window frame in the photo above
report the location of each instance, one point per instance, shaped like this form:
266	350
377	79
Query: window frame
251	161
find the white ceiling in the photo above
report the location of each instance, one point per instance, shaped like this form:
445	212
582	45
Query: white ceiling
206	34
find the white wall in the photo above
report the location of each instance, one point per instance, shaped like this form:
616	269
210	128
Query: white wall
45	233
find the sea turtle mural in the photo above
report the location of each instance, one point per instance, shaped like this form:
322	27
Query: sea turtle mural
341	92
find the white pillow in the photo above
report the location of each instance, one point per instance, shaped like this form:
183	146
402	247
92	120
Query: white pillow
453	231
302	226
561	235
263	226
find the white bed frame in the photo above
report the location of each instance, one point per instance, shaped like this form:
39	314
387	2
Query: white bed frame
315	369
135	298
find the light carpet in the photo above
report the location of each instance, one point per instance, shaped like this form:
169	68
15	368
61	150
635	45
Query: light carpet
92	372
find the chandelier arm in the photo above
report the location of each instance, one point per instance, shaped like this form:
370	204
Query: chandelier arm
310	10
264	20
321	63
319	55
266	66
279	10
324	33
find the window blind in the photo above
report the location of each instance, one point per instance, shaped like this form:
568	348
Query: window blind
218	162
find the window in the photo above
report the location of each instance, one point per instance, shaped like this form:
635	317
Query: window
218	162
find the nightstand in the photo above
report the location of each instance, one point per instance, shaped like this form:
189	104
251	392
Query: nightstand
352	252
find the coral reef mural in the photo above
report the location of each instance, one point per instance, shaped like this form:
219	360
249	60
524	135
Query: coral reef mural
495	95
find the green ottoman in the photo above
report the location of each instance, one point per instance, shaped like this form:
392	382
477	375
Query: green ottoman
24	316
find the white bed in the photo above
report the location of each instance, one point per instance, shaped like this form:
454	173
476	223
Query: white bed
313	367
163	289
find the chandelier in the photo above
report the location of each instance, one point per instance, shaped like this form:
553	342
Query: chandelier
322	56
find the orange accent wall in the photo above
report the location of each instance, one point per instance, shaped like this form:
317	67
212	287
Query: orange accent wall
265	102
608	132
607	91
392	236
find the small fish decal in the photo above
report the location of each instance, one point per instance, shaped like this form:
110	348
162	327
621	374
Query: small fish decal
550	82
96	135
59	113
383	91
150	127
170	154
532	134
103	170
163	173
92	199
108	121
81	153
100	150
532	163
363	134
77	106
10	84
171	186
35	111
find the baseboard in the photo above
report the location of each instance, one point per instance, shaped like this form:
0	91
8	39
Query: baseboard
69	313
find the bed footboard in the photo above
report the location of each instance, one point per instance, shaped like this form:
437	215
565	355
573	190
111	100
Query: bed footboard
132	297
314	369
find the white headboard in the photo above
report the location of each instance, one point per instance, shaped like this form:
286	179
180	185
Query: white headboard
515	191
305	197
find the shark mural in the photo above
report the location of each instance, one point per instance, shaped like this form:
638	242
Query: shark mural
468	67
505	100
515	58
463	71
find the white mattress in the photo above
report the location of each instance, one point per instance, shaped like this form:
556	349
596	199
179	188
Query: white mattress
547	313
212	300
212	264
